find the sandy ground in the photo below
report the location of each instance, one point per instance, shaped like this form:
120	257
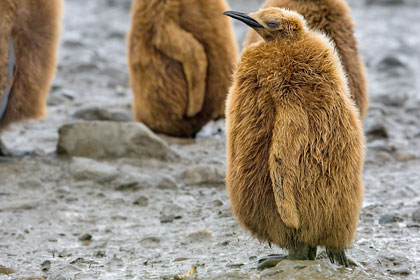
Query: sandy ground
74	218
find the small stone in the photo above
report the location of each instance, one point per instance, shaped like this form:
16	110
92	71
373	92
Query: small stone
385	2
150	242
58	275
376	129
401	271
89	169
167	219
56	99
200	235
85	237
6	270
167	183
413	225
94	113
127	183
416	216
46	265
404	157
100	254
217	203
235	265
141	201
204	174
390	61
112	139
385	156
30	184
233	275
19	205
64	253
387	219
77	261
181	259
387	256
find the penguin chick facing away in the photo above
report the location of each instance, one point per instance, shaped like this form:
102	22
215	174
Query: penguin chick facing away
181	58
29	36
295	145
331	17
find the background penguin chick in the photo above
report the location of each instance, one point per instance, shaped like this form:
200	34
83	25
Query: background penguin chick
295	144
34	27
181	58
331	17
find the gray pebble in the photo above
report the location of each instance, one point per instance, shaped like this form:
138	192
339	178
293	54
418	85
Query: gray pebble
167	183
204	174
30	184
85	237
58	275
401	270
141	201
46	265
416	216
387	219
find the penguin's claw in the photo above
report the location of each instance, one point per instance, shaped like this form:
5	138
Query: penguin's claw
338	257
270	261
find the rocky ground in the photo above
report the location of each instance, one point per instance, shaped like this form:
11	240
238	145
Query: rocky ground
158	206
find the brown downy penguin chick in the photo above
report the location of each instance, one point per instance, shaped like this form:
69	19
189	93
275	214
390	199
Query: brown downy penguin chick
181	58
295	145
29	35
332	18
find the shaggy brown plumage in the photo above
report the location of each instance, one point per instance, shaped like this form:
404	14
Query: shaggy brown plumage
34	26
181	58
331	17
294	140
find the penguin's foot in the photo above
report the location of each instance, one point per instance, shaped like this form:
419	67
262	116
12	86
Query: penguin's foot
337	256
302	252
270	261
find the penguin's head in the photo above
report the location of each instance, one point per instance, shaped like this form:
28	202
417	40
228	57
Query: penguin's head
273	23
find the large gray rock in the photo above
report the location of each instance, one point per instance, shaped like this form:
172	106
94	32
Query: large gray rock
111	139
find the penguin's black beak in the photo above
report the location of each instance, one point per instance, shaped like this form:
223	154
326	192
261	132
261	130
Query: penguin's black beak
244	18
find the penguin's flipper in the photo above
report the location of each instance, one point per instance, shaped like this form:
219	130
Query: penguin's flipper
288	140
181	45
283	194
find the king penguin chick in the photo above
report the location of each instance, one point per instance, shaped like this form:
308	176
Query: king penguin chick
295	145
29	36
181	58
332	18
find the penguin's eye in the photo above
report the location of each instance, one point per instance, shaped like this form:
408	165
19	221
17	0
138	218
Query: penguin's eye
272	24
